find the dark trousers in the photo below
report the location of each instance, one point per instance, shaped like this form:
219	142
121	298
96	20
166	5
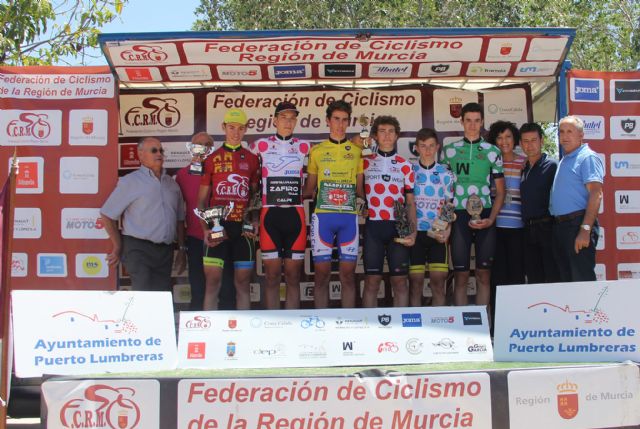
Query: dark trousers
539	262
574	267
149	264
196	272
508	264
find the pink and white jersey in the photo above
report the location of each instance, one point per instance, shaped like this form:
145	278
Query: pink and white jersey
282	162
387	178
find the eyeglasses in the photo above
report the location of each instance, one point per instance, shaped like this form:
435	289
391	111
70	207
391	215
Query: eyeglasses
156	150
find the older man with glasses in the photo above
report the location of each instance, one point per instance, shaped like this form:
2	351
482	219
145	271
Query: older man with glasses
150	204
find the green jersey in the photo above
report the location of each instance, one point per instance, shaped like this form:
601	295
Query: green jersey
472	163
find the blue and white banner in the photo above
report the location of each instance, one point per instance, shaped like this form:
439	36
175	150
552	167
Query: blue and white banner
567	322
90	332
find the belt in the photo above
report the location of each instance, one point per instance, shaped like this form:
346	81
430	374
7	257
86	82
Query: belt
538	220
147	241
569	216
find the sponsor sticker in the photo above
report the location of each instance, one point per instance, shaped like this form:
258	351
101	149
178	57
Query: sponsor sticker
52	265
586	90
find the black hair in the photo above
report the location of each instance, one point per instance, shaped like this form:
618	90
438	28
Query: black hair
472	107
385	120
339	105
532	126
499	127
426	134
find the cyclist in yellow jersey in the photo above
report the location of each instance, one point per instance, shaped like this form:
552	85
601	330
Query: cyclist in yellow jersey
335	172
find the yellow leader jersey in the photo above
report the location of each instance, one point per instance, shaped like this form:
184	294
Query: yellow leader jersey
336	165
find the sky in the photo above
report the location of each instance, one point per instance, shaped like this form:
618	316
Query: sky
144	16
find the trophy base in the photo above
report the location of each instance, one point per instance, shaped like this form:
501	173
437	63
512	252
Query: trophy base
435	234
195	170
402	240
217	235
366	152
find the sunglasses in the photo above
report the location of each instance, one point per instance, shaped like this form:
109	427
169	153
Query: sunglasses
156	150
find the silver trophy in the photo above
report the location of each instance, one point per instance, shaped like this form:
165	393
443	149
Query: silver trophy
446	216
364	135
252	212
198	154
403	225
474	207
212	217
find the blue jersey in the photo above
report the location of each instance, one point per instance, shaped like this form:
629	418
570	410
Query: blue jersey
433	187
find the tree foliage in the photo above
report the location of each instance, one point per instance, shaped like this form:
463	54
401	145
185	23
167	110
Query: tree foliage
607	30
36	32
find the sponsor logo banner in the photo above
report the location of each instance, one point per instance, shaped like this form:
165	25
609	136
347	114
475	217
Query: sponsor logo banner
390	70
594	128
84	223
447	107
625	165
578	322
88	127
547	48
586	90
104	404
30	175
19	265
624	90
628	237
291	71
439	69
92	265
574	397
156	115
506	105
52	264
91	332
144	54
139	74
502	49
627	201
189	73
27	222
79	175
340	70
326	337
488	69
536	68
625	127
239	73
31	127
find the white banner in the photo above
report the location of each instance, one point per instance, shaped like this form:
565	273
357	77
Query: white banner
567	322
433	401
595	397
108	404
332	337
89	332
57	86
260	106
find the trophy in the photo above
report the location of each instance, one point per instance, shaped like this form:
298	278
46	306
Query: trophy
362	208
446	216
212	216
403	226
364	135
251	212
199	152
474	207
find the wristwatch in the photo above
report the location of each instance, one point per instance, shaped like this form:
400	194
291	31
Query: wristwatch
586	227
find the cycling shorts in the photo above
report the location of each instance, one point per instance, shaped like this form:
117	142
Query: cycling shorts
236	248
378	243
327	228
461	238
283	233
429	249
